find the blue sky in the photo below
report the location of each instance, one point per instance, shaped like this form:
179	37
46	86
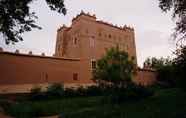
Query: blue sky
152	27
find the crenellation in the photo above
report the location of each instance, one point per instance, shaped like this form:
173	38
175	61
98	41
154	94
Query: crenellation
43	54
87	15
17	51
1	49
30	52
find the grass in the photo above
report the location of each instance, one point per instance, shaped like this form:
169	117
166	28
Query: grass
167	103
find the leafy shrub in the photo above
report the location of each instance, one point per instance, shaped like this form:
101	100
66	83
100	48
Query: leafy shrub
94	91
55	90
5	104
70	92
129	93
36	93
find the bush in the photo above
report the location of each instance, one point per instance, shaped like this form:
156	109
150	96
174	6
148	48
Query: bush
94	91
36	93
55	90
129	93
5	104
70	92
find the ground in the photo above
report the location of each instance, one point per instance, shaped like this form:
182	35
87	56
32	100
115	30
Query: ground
166	103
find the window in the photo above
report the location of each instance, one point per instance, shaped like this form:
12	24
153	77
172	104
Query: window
93	64
75	76
92	42
75	41
110	36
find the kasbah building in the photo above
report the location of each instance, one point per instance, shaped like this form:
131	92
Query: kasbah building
77	49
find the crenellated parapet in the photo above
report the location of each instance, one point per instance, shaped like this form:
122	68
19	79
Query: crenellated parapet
87	15
125	27
93	18
1	49
90	17
17	51
62	27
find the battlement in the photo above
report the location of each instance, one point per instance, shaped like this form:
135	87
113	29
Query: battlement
17	52
88	16
125	27
83	14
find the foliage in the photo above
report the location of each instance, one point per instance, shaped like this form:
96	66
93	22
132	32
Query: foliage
16	17
156	63
36	93
130	93
170	71
114	69
83	91
55	90
180	66
165	103
179	13
35	90
165	68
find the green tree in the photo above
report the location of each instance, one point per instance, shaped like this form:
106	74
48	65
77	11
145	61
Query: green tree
114	69
179	14
165	69
156	63
180	66
16	17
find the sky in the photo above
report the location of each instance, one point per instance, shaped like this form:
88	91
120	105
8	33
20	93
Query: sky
153	28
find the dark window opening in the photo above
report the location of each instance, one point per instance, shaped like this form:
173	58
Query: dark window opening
75	41
93	64
75	76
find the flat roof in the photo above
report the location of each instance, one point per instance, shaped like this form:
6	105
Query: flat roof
39	56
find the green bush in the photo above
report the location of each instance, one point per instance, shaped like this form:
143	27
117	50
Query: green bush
94	91
124	94
36	93
55	90
70	92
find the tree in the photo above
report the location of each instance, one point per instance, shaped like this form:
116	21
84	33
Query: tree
180	66
165	69
179	13
155	63
16	18
114	69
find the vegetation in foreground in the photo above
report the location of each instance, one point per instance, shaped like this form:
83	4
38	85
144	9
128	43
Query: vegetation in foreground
116	96
168	103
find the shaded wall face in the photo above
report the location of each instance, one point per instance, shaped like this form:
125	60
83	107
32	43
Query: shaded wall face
145	78
15	69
